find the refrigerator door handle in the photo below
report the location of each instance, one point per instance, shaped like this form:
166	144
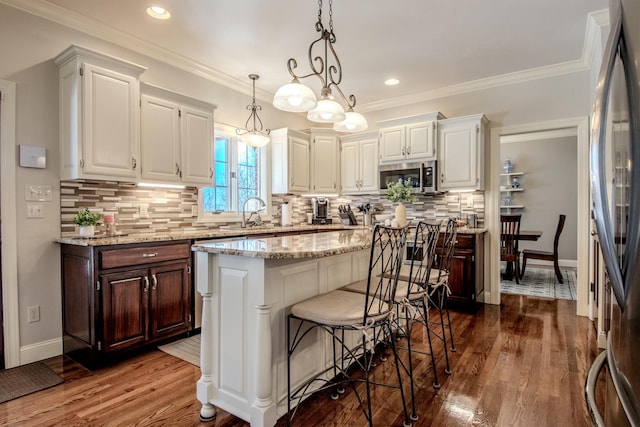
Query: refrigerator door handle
601	212
590	388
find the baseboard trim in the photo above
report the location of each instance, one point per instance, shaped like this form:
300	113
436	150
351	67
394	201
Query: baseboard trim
40	351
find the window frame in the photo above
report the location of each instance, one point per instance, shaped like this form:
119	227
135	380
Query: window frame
264	157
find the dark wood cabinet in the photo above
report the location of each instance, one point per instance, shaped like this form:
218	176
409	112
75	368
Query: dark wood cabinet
466	279
120	298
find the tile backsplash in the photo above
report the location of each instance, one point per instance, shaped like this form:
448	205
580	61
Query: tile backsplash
171	209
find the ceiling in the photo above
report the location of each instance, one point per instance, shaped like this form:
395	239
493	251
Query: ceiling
430	46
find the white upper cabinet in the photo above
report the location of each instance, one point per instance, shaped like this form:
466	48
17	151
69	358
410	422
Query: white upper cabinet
177	138
290	154
325	161
461	153
359	163
408	138
99	116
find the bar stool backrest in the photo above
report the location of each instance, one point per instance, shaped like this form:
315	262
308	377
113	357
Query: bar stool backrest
446	250
387	249
424	249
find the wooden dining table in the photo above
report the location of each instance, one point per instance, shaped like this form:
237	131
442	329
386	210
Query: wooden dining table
526	235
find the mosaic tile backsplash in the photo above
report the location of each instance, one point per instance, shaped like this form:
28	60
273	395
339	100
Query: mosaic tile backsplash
171	209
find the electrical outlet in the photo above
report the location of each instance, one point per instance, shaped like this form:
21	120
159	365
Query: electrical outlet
144	211
469	201
33	314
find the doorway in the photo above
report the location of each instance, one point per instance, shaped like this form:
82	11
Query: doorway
492	203
541	186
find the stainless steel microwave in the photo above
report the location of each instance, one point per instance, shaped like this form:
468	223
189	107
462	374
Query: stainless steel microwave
421	176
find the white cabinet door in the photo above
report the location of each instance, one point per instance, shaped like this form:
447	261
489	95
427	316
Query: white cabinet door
299	164
369	166
420	142
177	138
392	144
160	139
325	164
461	152
196	134
359	164
110	122
350	167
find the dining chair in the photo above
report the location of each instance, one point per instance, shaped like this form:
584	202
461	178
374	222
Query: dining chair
338	312
509	236
546	255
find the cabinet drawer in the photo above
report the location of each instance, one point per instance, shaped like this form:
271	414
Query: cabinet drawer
122	257
464	241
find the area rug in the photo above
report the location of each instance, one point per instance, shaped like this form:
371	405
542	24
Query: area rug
187	349
26	379
542	282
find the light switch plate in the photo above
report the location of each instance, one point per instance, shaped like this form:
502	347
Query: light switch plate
35	210
38	193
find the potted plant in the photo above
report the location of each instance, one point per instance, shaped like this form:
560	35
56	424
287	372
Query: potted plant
87	221
397	192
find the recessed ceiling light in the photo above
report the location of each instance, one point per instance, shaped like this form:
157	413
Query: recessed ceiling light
158	12
391	82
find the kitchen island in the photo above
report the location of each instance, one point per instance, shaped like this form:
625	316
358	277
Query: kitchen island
247	287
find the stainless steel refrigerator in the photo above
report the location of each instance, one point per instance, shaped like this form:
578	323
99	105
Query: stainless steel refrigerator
615	184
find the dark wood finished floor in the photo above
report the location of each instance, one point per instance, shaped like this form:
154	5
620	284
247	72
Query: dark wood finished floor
521	364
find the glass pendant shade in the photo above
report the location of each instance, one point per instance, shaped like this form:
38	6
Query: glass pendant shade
327	111
295	97
255	139
354	122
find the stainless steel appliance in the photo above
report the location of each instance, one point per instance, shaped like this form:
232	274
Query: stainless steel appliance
429	174
320	206
615	176
421	176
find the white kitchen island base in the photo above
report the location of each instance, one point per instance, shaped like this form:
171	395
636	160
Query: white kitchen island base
247	288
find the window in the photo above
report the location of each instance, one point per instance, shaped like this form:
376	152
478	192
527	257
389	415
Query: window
240	173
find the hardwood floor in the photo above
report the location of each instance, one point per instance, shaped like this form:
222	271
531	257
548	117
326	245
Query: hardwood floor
521	364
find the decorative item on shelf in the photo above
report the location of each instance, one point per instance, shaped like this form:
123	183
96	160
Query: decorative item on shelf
254	136
515	182
397	192
508	166
297	97
507	201
87	221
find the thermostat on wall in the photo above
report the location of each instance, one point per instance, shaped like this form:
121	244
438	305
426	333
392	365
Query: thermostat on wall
33	157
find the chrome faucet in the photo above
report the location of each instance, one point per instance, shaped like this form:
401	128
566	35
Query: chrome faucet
263	205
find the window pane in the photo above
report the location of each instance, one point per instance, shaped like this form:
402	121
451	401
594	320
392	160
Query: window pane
248	174
208	200
221	174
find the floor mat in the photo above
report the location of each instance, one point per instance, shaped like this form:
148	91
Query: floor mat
187	349
542	282
26	379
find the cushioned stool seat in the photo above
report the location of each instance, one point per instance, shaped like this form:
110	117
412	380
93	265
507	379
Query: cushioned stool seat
338	308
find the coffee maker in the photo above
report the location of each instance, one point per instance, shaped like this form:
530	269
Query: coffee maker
320	206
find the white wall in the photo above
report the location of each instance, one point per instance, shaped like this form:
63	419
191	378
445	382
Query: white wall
549	183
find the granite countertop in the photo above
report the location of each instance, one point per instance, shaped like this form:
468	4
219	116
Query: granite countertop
213	233
317	245
216	233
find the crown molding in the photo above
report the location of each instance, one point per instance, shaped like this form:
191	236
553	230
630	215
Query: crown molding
480	84
60	15
67	18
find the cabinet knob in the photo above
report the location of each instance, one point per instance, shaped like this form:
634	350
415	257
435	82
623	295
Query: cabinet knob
150	255
177	169
146	284
134	163
210	172
155	282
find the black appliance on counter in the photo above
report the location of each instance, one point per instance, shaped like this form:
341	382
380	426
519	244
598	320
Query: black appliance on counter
320	206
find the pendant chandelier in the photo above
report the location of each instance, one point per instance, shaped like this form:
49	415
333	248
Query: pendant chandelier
297	97
254	136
